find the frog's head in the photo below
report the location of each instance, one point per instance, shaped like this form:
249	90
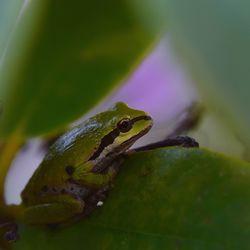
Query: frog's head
122	127
131	124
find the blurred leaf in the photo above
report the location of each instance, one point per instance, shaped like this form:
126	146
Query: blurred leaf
214	38
9	10
164	199
64	57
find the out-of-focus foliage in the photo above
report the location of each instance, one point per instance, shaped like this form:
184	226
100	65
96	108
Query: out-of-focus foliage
163	199
213	38
9	10
63	57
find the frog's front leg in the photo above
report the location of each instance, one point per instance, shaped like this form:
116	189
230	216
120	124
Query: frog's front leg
182	141
54	212
95	178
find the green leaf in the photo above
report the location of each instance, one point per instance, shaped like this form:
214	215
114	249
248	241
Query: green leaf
9	11
213	37
163	199
65	56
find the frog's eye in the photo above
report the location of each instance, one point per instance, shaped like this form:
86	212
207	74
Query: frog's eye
124	125
70	170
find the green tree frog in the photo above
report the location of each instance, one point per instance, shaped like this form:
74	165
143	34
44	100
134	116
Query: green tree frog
80	166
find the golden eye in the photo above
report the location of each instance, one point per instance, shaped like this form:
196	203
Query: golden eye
124	125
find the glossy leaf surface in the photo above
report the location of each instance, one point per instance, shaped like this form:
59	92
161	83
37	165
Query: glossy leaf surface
163	199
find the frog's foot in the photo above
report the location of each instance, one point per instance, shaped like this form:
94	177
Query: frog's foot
12	234
183	141
9	233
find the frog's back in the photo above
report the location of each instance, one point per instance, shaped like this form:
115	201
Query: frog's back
70	150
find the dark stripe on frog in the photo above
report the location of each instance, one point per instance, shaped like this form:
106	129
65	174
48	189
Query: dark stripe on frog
106	140
110	137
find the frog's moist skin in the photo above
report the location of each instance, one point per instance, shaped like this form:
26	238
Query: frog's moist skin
79	167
